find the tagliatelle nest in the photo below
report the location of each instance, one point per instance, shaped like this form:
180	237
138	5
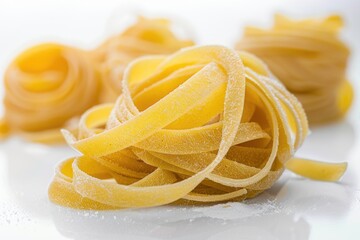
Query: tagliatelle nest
205	124
48	85
310	59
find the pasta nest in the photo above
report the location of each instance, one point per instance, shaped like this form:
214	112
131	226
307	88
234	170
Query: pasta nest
205	124
310	59
47	85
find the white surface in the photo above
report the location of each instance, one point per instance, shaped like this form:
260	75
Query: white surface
294	208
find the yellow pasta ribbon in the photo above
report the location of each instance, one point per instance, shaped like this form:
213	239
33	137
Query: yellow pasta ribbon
50	85
310	59
316	170
143	151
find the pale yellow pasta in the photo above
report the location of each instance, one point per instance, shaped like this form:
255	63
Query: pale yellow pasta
48	86
317	170
310	59
143	151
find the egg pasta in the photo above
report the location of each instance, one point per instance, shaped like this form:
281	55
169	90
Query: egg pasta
205	124
310	59
48	86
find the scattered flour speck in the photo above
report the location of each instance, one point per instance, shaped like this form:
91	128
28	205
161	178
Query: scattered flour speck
238	210
10	214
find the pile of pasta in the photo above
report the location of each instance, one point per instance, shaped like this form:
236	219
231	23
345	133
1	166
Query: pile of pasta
205	124
310	59
48	86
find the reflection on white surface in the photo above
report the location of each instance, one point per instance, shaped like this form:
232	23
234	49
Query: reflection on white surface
29	168
177	223
316	199
332	142
294	208
262	218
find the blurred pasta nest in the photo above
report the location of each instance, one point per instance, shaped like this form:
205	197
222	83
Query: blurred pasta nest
49	84
205	124
310	59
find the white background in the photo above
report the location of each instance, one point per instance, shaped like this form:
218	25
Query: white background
294	208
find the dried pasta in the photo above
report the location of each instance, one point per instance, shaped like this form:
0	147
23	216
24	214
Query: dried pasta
45	86
48	86
205	124
310	59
